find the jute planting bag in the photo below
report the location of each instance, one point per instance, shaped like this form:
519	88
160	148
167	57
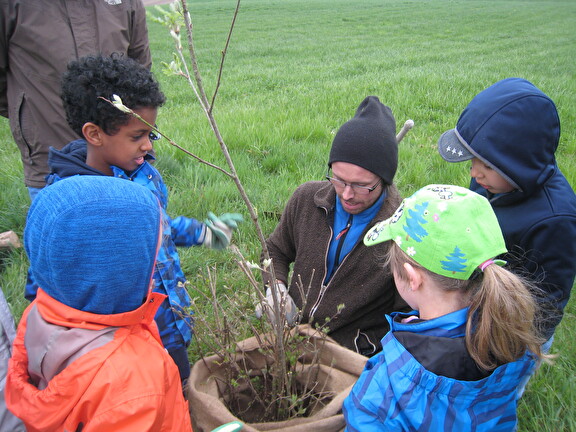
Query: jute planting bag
335	373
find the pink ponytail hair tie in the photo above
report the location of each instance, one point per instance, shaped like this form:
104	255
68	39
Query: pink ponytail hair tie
485	264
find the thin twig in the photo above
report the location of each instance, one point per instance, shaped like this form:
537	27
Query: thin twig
224	51
170	140
193	58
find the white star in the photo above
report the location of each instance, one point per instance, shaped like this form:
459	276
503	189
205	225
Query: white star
453	151
460	153
448	148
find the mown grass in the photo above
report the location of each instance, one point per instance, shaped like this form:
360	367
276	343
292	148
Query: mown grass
295	71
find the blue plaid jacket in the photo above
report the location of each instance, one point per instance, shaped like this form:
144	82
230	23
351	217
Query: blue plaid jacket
395	392
174	317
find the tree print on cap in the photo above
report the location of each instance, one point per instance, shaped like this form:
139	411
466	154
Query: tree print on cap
455	261
414	221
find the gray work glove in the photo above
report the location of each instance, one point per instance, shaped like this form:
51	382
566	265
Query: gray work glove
287	305
219	229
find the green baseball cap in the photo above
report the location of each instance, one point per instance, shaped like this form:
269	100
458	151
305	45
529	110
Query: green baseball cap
449	230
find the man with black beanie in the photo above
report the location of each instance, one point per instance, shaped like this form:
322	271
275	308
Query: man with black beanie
321	231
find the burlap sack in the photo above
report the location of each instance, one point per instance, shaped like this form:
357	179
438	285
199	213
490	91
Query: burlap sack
338	371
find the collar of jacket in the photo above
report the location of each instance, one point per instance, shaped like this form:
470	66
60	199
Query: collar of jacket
452	324
325	197
58	313
71	160
119	172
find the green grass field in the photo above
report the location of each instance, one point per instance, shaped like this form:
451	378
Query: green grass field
295	71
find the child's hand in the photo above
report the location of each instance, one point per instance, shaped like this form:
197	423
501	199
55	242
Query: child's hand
219	229
9	239
230	219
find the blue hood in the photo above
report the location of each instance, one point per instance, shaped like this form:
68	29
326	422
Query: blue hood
71	160
92	242
513	127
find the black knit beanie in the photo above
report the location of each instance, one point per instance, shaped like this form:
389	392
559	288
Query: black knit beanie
368	140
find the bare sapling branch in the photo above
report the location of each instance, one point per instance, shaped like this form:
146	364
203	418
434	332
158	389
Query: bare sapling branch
117	102
193	58
282	346
224	51
279	323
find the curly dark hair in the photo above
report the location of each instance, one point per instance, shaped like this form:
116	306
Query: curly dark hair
92	77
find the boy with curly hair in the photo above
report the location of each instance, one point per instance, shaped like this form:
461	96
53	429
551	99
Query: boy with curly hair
116	143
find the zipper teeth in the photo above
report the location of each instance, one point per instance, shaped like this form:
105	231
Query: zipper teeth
318	301
323	287
341	237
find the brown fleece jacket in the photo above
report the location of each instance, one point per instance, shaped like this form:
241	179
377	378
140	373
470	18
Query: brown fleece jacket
361	283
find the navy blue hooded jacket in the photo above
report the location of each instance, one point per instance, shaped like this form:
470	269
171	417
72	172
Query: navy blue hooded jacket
539	226
514	128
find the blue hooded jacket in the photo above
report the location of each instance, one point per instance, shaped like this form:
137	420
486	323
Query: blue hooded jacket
514	128
402	390
174	315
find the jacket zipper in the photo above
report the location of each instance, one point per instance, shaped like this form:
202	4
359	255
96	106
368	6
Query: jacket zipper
322	287
341	237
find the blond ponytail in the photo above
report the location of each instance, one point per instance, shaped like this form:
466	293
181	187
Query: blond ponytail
501	319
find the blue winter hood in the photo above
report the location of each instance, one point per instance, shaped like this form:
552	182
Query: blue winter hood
92	242
513	127
71	160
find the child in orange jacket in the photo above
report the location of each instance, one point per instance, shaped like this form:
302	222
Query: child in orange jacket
87	354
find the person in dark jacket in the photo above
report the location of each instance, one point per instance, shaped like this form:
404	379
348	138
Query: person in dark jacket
510	131
37	41
454	363
320	233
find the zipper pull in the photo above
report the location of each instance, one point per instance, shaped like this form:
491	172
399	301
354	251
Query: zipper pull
346	228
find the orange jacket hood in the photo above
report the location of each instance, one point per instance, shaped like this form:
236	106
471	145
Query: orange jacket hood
72	369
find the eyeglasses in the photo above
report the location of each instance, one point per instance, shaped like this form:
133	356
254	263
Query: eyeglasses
360	190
